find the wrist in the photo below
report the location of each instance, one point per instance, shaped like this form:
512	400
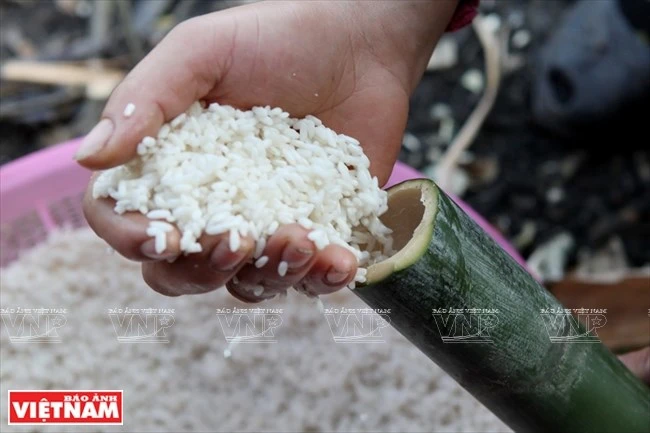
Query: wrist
400	34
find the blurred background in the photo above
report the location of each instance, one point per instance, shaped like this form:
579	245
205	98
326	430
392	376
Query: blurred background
558	165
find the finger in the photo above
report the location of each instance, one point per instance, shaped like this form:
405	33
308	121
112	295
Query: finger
247	293
162	86
126	233
639	363
198	272
334	268
150	275
286	259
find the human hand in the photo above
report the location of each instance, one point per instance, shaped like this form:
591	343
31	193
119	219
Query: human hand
639	363
352	64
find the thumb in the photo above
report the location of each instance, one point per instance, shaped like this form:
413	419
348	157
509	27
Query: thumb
182	69
639	363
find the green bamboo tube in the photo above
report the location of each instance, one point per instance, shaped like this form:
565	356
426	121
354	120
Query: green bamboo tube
510	365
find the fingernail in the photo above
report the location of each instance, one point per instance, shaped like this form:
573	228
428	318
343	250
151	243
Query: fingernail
335	276
222	259
258	290
148	248
302	288
253	294
95	140
296	258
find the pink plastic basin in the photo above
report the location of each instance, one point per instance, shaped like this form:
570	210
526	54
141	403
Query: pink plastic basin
43	191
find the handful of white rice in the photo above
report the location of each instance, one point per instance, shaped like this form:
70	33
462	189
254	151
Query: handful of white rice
218	170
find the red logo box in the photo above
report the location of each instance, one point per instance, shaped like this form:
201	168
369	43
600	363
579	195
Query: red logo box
69	407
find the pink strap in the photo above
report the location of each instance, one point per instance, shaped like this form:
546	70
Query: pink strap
465	13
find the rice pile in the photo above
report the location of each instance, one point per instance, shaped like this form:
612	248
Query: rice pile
217	170
304	382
